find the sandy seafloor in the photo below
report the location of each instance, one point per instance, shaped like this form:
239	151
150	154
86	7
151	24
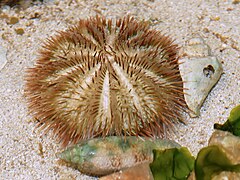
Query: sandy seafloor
217	22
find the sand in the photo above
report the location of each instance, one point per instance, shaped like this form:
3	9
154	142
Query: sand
26	153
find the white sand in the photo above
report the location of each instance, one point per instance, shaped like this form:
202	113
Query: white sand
217	22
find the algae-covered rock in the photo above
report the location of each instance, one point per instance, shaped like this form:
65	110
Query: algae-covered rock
221	159
211	161
200	72
172	164
229	144
233	123
102	156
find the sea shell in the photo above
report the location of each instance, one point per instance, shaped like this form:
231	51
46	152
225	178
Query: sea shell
200	71
105	77
102	156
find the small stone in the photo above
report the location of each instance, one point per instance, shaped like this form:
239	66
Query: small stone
3	57
196	47
13	20
35	15
195	40
206	30
227	175
142	172
198	50
19	31
217	18
236	1
229	9
4	16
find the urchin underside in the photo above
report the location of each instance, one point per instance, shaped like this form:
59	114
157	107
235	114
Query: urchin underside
103	78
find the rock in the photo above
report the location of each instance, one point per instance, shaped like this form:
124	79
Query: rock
191	176
200	71
19	31
196	47
13	20
227	175
3	58
103	156
141	172
229	143
220	160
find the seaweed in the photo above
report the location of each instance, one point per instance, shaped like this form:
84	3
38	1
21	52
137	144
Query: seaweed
232	124
172	164
211	161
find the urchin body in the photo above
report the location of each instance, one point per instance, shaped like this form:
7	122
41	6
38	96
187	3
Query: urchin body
105	77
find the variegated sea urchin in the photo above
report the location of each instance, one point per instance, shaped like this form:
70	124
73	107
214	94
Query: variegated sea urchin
105	77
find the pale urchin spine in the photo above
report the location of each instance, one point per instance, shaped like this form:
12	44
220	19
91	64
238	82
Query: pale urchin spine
104	77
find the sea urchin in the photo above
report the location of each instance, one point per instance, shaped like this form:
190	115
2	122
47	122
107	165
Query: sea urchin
104	77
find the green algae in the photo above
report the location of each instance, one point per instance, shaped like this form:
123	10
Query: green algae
172	164
232	124
211	161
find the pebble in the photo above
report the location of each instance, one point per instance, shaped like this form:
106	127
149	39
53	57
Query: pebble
19	31
3	57
142	172
13	20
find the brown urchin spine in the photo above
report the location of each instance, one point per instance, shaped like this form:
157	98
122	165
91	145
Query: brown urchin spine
105	77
